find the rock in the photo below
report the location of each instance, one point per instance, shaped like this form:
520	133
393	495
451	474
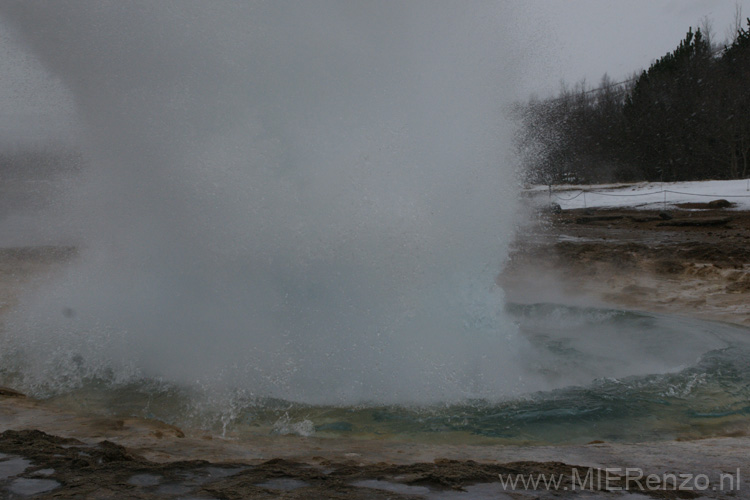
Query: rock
598	218
665	215
113	452
738	287
707	221
719	204
551	208
647	218
668	266
7	392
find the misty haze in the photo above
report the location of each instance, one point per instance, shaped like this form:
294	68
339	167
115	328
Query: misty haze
367	240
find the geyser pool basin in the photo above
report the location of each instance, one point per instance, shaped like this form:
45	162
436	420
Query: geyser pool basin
612	375
290	221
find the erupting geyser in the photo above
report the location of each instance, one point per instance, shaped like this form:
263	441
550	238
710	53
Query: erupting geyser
305	200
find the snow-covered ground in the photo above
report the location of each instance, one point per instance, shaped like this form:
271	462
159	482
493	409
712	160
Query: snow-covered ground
646	195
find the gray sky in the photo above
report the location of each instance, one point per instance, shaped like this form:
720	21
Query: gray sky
576	39
561	40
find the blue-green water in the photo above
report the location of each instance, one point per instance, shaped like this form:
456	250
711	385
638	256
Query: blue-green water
612	376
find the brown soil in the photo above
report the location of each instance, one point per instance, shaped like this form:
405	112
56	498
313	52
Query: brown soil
685	261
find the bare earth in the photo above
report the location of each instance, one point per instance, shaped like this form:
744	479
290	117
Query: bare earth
697	263
633	259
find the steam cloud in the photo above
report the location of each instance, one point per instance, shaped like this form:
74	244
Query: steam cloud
309	200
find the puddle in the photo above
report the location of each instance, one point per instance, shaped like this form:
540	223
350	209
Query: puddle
44	472
144	480
222	472
481	491
403	489
577	239
12	467
173	489
208	474
23	486
283	483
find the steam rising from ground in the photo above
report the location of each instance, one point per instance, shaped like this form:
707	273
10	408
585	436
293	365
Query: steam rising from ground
307	200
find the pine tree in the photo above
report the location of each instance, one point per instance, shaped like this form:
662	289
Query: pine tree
665	113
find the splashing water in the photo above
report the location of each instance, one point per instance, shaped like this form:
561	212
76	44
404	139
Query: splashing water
298	200
292	219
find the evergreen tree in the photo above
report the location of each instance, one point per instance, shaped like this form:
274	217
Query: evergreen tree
665	114
733	104
687	117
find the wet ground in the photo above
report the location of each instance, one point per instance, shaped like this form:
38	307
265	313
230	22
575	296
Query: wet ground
693	261
39	465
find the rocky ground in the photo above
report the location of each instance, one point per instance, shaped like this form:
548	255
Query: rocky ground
53	467
43	465
691	260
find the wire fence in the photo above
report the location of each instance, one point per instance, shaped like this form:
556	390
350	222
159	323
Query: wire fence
583	192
